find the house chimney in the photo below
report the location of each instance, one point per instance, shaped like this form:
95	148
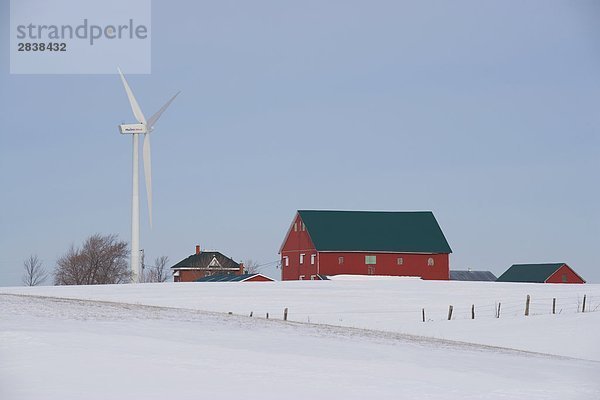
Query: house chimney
197	249
241	268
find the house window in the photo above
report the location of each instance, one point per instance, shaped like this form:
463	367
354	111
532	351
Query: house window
302	258
340	260
301	278
430	262
400	261
295	227
286	261
312	259
564	278
370	260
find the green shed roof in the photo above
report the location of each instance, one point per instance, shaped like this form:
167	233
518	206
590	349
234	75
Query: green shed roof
228	278
410	232
533	273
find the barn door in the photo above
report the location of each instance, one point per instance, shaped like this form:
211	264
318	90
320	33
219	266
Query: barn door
371	269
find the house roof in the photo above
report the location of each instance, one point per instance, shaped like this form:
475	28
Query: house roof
229	278
213	260
479	276
386	231
533	273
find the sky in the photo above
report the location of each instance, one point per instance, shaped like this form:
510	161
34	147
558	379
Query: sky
485	113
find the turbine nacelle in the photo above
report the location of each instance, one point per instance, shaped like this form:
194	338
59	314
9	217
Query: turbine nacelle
126	129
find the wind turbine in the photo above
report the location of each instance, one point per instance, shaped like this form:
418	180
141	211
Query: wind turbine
143	127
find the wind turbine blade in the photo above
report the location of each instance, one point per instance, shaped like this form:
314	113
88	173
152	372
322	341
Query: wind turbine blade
148	173
157	115
135	107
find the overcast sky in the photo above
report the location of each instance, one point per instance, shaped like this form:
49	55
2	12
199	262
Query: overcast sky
486	113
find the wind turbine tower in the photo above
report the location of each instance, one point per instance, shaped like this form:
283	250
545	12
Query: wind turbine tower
145	128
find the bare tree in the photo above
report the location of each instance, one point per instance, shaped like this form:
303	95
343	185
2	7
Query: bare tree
250	266
102	259
35	274
159	272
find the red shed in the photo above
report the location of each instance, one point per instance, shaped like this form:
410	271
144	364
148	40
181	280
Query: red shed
364	243
541	273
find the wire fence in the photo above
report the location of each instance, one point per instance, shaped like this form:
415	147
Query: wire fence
537	306
529	306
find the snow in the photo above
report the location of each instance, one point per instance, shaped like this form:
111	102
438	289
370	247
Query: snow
365	339
387	304
372	278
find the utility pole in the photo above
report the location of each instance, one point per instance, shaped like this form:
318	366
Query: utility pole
143	265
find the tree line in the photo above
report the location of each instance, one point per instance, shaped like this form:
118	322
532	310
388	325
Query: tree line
101	259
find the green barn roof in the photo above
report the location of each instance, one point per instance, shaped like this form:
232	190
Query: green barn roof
409	232
532	273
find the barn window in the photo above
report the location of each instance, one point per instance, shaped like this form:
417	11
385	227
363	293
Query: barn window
370	260
312	258
564	278
295	227
430	262
286	261
340	260
303	227
399	261
302	258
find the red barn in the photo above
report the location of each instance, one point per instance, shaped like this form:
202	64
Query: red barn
541	273
364	243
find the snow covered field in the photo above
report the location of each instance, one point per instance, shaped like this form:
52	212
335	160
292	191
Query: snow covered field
177	340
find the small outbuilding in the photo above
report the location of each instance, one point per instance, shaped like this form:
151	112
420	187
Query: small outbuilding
541	273
236	278
474	276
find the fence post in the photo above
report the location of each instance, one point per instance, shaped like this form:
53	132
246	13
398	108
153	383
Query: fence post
251	312
498	314
449	312
472	311
285	314
267	315
583	307
527	305
423	314
554	305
